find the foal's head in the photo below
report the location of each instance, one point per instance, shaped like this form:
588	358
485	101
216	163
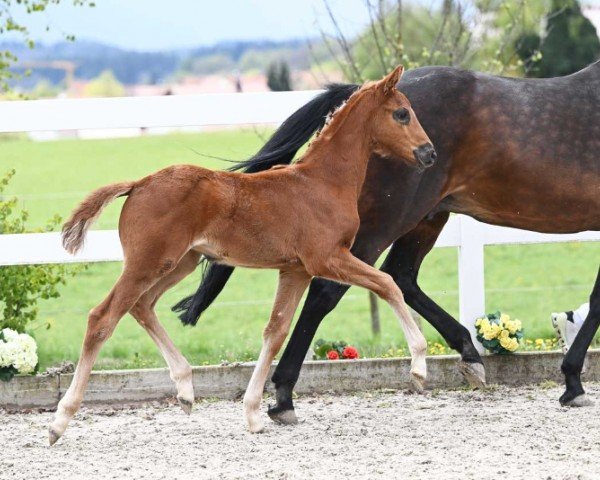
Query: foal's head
393	127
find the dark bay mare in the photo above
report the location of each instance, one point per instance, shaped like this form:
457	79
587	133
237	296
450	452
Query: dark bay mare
538	140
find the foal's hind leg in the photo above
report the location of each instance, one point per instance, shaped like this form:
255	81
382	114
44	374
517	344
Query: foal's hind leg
289	292
346	268
143	311
140	273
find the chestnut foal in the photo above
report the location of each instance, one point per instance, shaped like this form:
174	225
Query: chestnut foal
300	220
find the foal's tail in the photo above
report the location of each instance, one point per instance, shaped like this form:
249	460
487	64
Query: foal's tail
74	230
280	149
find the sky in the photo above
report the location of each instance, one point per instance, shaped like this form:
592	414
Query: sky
149	25
160	24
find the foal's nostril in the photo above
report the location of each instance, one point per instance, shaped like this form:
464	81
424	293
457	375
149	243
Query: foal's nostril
425	155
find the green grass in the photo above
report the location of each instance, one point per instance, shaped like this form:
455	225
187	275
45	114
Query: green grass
528	282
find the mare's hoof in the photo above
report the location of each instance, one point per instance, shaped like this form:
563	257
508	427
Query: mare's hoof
474	373
284	417
579	401
417	383
53	436
186	405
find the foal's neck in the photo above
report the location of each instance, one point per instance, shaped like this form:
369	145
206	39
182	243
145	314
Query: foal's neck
340	154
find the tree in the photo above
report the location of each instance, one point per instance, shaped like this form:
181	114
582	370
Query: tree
21	287
104	85
278	77
44	89
478	34
9	25
570	42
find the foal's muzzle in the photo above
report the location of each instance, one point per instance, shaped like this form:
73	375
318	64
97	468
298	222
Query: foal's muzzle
425	155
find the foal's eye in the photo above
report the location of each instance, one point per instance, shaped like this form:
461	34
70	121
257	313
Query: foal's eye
402	115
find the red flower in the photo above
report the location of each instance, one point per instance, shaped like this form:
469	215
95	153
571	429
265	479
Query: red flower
350	352
333	355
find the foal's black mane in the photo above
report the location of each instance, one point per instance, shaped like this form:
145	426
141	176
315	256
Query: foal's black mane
293	133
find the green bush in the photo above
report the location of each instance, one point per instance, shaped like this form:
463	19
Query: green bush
21	287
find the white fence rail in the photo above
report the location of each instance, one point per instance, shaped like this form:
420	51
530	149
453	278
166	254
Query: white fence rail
463	232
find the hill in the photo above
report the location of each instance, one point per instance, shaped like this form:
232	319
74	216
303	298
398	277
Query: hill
134	67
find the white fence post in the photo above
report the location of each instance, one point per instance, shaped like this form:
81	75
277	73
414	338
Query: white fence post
471	279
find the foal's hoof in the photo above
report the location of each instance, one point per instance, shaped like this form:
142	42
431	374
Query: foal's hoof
53	436
579	401
474	373
256	426
417	383
186	405
284	417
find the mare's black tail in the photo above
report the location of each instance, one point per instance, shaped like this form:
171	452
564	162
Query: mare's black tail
280	149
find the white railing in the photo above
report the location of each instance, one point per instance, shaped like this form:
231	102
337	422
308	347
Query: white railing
463	232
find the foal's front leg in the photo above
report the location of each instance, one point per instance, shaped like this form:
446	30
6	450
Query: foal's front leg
346	268
292	285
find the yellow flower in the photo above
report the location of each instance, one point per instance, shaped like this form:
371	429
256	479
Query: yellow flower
539	342
504	319
478	322
491	332
504	334
514	326
505	342
510	344
484	323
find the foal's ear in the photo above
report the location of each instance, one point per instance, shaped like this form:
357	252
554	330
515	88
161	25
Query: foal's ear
392	79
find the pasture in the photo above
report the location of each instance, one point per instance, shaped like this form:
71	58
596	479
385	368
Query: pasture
528	282
511	433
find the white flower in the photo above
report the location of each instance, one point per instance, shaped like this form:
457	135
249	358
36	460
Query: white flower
18	350
6	355
9	335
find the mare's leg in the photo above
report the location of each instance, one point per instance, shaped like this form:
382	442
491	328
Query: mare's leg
323	296
289	292
572	365
143	311
142	270
403	263
346	268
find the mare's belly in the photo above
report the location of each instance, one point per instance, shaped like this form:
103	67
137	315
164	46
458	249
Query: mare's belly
547	210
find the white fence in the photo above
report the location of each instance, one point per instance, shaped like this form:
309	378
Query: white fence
463	232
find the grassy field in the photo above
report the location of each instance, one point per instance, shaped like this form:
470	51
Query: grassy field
528	282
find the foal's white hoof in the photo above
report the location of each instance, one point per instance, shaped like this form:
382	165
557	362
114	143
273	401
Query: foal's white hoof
417	383
256	426
579	401
186	405
474	373
53	436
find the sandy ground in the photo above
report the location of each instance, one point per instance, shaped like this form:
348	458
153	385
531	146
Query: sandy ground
507	433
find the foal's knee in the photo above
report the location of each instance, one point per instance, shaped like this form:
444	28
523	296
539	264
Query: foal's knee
97	326
140	312
275	332
388	290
